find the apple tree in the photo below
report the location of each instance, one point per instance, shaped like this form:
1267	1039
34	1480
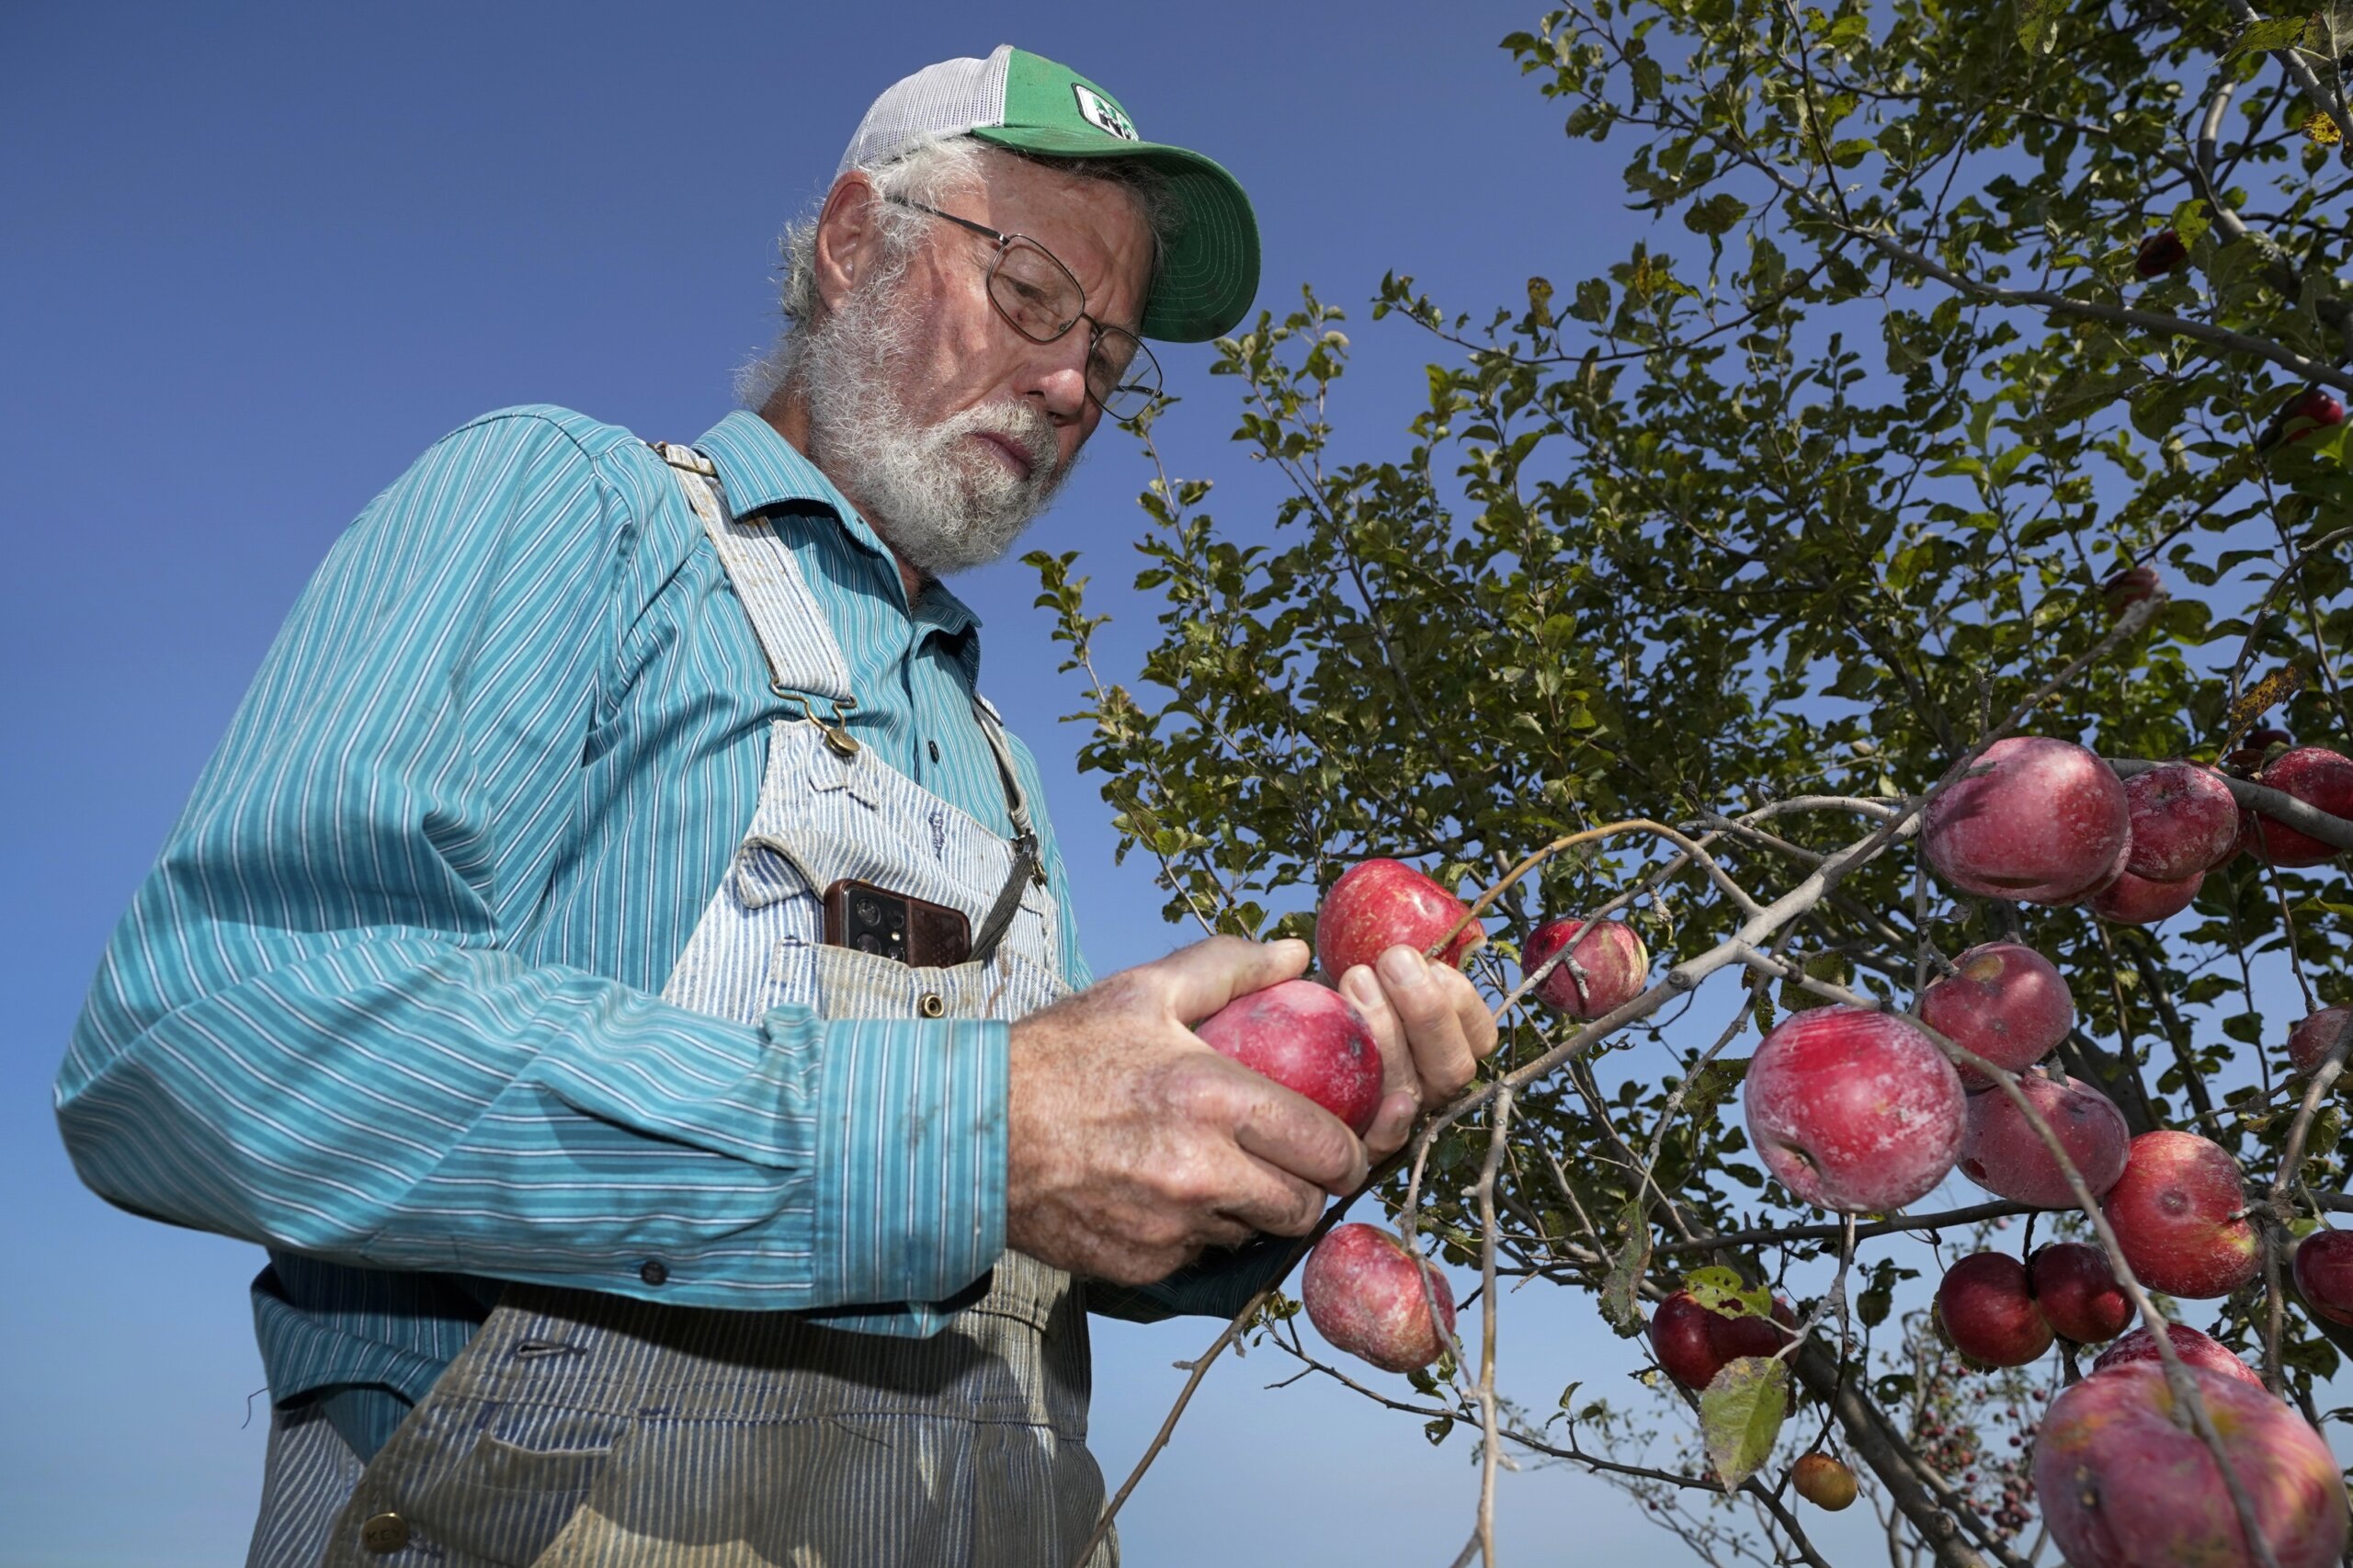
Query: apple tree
1963	441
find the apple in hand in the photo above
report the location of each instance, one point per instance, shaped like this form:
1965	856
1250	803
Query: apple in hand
2177	1214
1606	967
1310	1039
1363	1289
2310	1042
2319	778
2196	1348
2039	820
2005	1002
1694	1342
2078	1292
1855	1110
2124	1484
2324	1270
1378	904
2185	820
1988	1312
2002	1153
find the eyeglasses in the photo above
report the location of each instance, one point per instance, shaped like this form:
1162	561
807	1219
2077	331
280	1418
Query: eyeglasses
1041	300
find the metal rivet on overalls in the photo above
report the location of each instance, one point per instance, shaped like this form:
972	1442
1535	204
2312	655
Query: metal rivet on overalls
384	1533
654	1271
932	1005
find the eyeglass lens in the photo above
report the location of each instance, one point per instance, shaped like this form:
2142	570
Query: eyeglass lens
1043	301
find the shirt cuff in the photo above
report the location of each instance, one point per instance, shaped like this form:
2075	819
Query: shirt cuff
910	1153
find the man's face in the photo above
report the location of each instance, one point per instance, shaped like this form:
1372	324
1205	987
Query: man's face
946	426
971	356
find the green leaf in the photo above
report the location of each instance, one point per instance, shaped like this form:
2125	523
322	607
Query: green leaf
1721	1291
2269	33
2039	24
1716	215
1621	1287
1741	1413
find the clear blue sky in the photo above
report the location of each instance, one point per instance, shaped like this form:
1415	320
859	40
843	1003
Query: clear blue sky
257	258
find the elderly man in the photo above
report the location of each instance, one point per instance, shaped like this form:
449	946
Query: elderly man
620	968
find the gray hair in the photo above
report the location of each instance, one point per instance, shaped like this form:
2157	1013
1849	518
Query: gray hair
928	175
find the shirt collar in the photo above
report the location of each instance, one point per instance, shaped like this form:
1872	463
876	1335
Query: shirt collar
759	469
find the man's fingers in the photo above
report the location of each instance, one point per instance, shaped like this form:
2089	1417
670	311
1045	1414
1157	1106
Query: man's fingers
1299	1138
1391	1122
1397	1070
1425	1003
1206	976
1471	1009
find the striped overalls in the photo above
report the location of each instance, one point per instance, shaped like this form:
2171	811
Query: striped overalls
578	1428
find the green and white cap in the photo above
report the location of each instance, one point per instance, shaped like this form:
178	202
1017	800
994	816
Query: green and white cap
1209	268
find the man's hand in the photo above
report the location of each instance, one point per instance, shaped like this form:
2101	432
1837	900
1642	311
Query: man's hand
1434	1032
1132	1145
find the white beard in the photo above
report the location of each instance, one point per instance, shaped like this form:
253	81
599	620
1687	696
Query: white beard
943	499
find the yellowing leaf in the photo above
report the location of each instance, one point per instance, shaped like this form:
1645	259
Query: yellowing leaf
2319	128
1741	1413
1621	1288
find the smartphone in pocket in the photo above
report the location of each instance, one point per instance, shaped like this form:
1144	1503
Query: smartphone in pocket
872	919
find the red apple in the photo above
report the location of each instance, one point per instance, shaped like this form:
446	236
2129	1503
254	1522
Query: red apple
1854	1110
2304	415
2047	823
1988	1312
2319	778
2137	900
2006	1003
1310	1039
1695	1341
2123	1484
2078	1292
2310	1042
2184	819
1379	905
1364	1293
2002	1153
1606	969
2324	1269
1823	1482
2159	254
2129	586
2197	1349
2177	1213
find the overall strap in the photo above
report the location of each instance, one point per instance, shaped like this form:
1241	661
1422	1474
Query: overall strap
1029	864
803	659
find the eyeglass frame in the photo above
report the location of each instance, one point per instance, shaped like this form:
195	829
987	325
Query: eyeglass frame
1004	242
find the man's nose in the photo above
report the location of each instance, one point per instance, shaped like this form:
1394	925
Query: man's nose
1058	375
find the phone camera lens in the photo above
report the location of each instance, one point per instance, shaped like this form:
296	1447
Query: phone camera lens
869	912
867	944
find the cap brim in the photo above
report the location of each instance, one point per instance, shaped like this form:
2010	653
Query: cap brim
1209	272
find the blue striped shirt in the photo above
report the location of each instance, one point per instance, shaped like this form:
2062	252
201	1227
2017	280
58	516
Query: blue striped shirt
388	1002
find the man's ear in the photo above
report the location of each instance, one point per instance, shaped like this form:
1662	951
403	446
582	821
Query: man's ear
848	234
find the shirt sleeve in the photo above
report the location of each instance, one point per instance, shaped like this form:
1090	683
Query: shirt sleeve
311	1029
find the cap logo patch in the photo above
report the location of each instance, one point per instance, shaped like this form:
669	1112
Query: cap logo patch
1103	114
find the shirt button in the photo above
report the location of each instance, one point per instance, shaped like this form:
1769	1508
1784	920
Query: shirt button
654	1271
384	1533
935	749
932	1005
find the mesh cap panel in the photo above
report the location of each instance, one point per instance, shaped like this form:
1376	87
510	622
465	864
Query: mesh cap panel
950	98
